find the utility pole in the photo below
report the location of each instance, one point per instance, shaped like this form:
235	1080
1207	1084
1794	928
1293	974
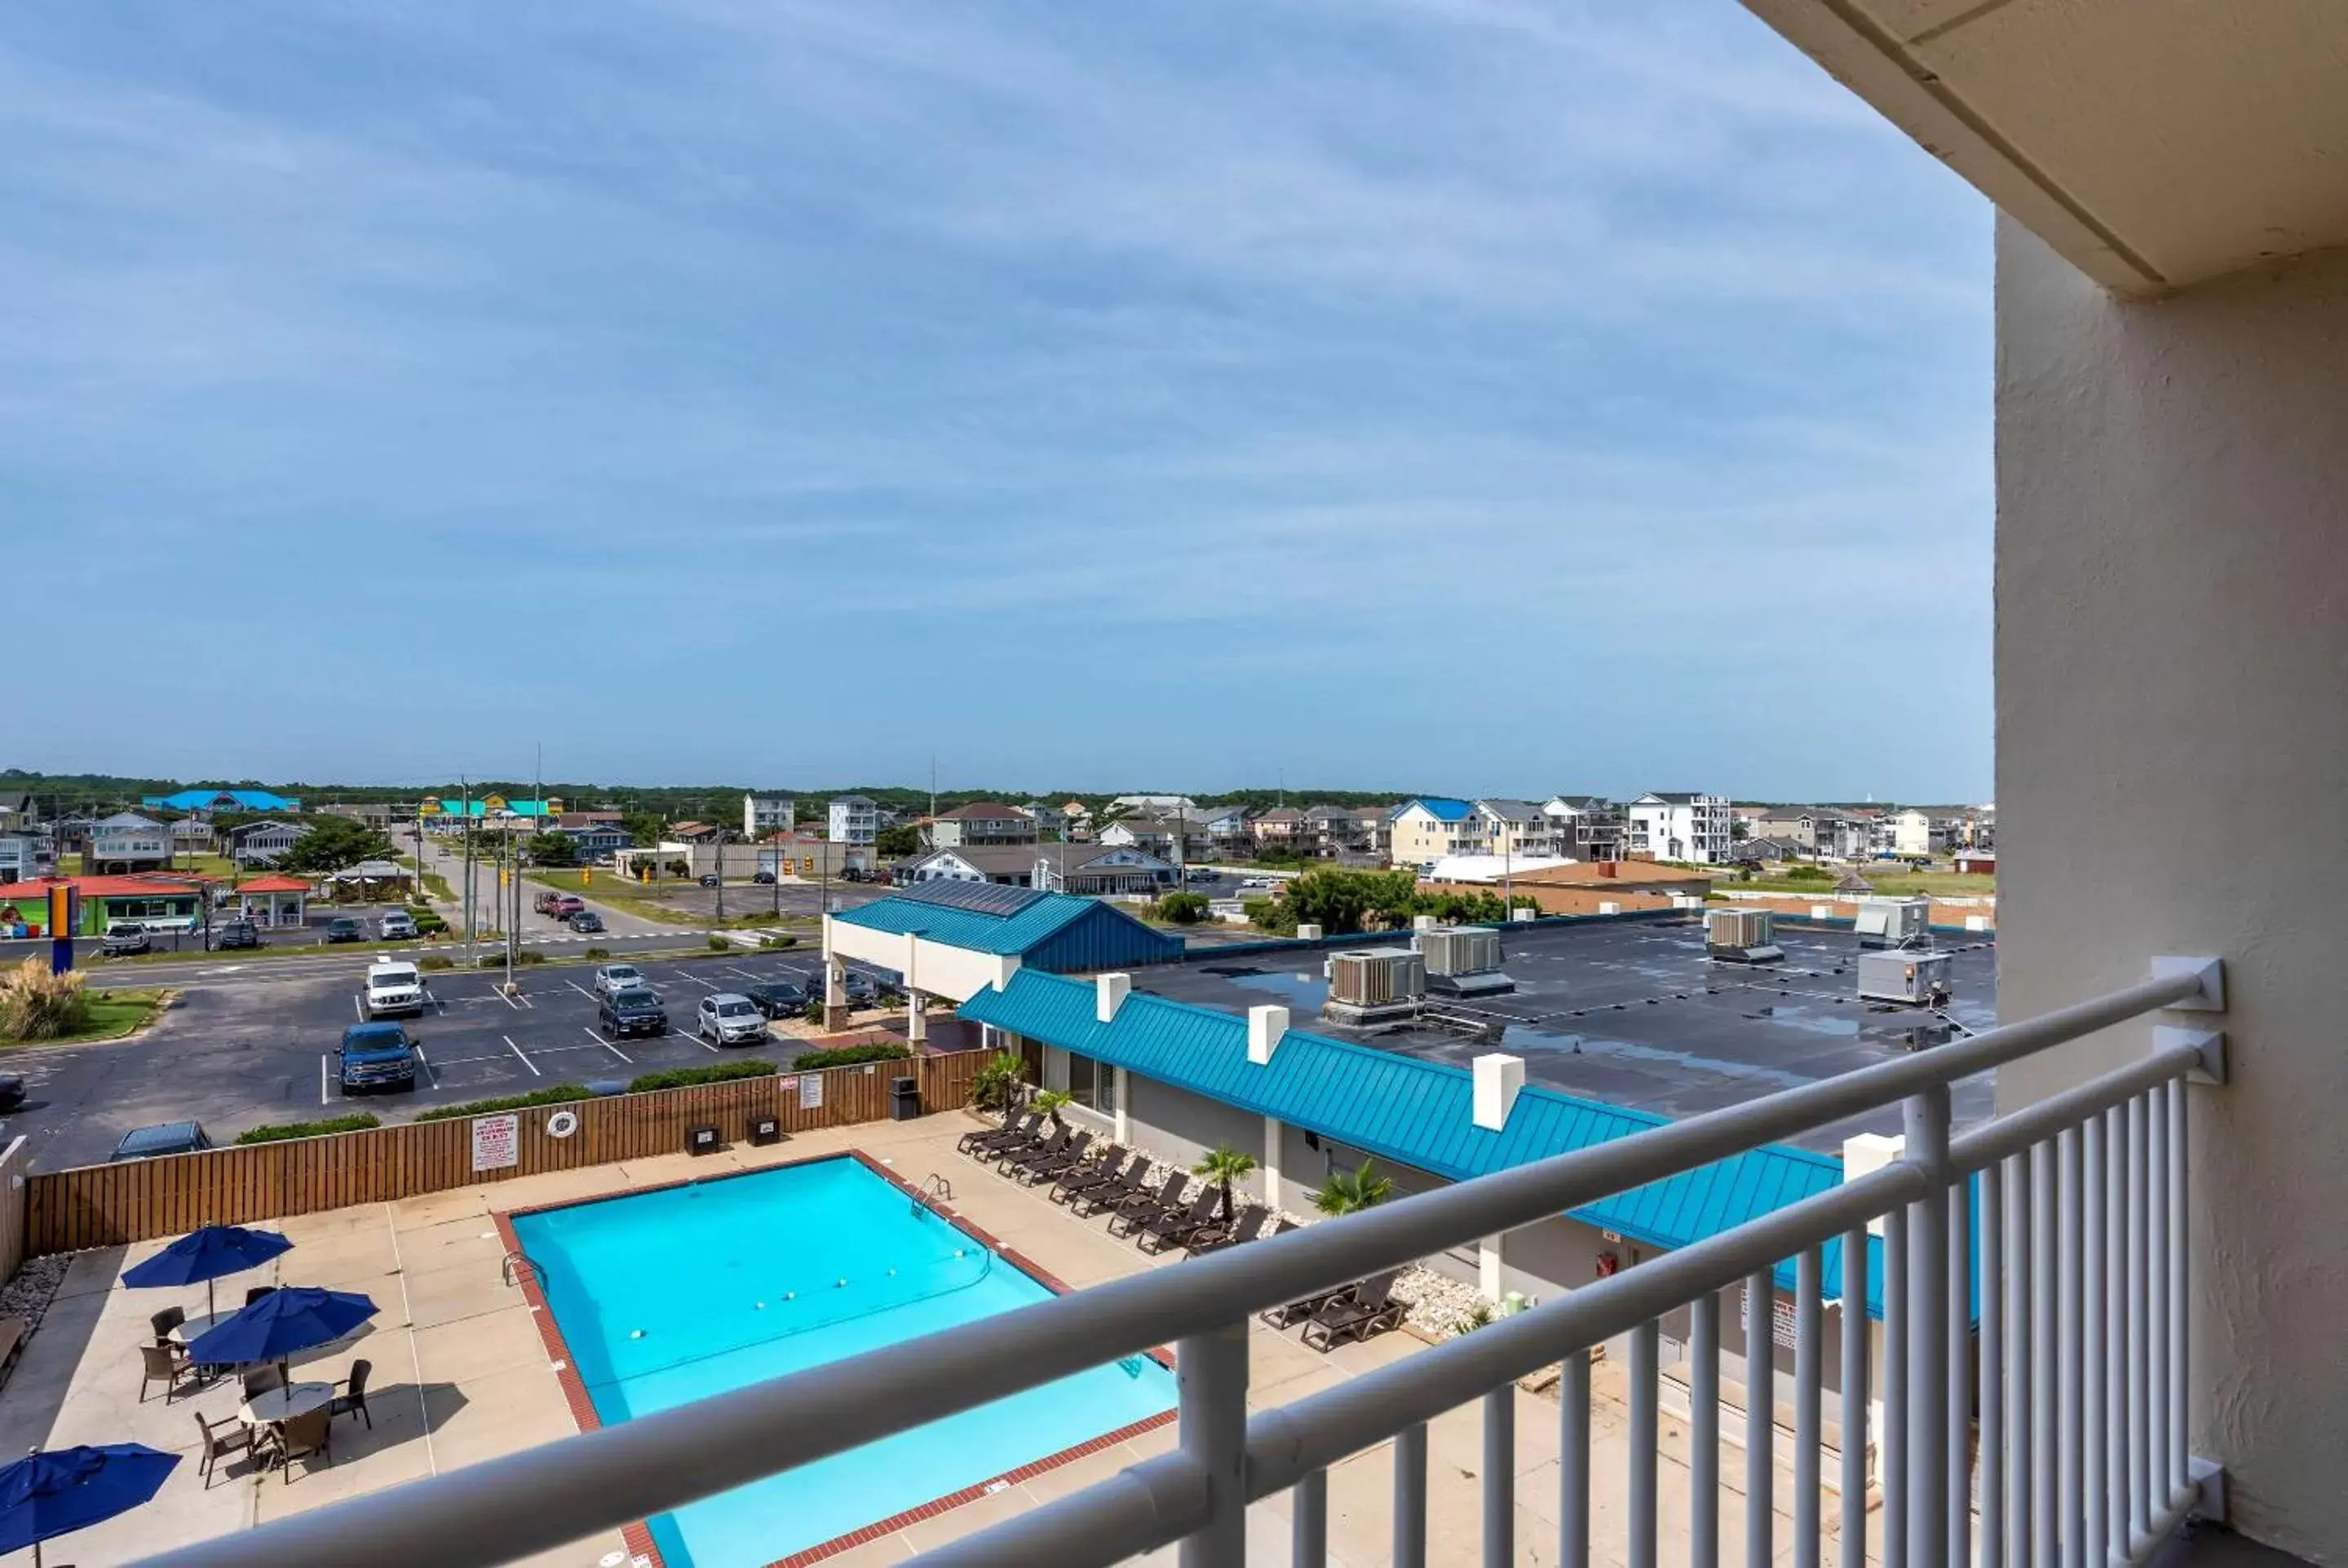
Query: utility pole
721	876
465	825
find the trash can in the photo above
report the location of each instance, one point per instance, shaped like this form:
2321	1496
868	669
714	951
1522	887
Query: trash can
766	1130
701	1140
904	1099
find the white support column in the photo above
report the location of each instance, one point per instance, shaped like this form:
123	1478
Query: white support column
1123	1117
1274	1134
1487	1268
917	1017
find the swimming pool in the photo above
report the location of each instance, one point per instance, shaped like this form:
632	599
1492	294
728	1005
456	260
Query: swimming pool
672	1296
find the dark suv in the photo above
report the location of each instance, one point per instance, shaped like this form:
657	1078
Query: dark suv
635	1011
343	928
779	998
376	1056
235	933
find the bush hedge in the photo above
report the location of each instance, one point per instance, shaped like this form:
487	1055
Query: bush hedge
552	1094
847	1056
429	922
720	945
686	1077
435	961
598	953
278	1131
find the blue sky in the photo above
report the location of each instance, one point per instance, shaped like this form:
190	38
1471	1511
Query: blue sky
1394	394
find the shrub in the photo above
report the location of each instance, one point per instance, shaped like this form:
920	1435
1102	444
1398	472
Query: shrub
277	1132
435	961
719	944
847	1056
686	1077
38	1005
1351	1192
1050	1101
781	941
1271	915
1182	908
1809	874
429	922
552	1094
596	953
530	955
996	1084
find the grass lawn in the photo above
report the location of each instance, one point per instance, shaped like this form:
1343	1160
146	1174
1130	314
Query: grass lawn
112	1015
435	885
1937	884
216	866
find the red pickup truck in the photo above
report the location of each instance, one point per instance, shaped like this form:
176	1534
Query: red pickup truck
560	905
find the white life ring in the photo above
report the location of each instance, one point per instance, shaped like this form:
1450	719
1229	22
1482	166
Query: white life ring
562	1123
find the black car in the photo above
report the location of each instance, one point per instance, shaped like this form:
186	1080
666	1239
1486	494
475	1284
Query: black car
343	928
12	1091
236	934
864	991
586	920
635	1010
782	999
764	878
709	879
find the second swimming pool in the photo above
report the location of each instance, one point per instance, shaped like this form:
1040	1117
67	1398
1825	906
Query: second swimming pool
673	1295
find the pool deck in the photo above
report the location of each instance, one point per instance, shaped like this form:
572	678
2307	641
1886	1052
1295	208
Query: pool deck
460	1374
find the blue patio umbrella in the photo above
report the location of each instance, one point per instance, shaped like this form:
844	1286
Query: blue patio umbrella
296	1318
207	1254
49	1494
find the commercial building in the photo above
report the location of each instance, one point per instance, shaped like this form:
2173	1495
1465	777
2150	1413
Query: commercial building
1061	867
213	802
161	903
1674	825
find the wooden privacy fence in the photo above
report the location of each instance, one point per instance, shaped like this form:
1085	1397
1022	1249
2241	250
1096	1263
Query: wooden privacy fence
108	1205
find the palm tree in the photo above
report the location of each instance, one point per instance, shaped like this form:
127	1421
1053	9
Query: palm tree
1223	1165
1349	1193
1048	1102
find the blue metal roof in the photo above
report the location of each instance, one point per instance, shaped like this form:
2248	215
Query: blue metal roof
222	799
1414	1113
1051	931
1444	808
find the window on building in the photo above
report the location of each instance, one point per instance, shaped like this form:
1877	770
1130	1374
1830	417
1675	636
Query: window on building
1091	1083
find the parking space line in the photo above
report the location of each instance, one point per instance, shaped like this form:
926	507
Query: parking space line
582	990
430	1075
358	1009
607	1045
745	974
517	1051
697	981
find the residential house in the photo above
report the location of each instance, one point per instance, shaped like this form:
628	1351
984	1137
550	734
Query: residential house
260	843
1585	826
1160	836
375	814
25	857
982	822
1919	833
1762	849
212	801
1670	824
690	832
1815	830
1079	818
1047	818
766	813
192	835
1514	828
1230	832
18	811
1159	805
595	841
1426	829
1055	868
1349	833
854	819
1279	831
126	842
571	819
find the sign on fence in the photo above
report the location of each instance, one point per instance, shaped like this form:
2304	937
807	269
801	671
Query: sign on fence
810	1091
497	1142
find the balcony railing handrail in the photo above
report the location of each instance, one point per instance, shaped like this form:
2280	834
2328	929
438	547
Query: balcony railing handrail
527	1502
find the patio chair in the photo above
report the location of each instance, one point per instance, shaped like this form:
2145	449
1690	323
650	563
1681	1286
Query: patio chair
1299	1310
1228	1233
219	1442
261	1380
1052	1167
1147	1203
163	1322
1369	1309
298	1437
1170	1227
352	1400
1028	1155
166	1364
1133	1184
257	1292
1019	1125
1105	1168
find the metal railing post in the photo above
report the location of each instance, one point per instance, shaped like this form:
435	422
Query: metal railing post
1573	1463
1958	1362
2140	1508
1211	1377
1760	1414
1925	1119
1993	1332
2070	1487
1409	1496
1500	1476
2181	1244
1703	1434
1856	1333
1644	1431
1809	1383
1892	1442
1309	1528
2045	1405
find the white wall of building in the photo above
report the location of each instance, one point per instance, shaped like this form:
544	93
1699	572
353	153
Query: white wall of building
2172	621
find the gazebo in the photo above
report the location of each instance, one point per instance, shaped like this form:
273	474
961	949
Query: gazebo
275	899
372	882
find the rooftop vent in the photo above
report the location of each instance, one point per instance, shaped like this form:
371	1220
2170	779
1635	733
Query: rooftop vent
1109	995
1894	922
1375	985
1464	961
1266	1024
1742	937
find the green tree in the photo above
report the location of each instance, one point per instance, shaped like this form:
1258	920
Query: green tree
996	1084
551	849
1182	908
1351	1192
1050	1101
334	844
898	843
643	828
1341	902
1224	1165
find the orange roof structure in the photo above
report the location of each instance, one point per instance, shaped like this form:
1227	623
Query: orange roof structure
276	881
150	884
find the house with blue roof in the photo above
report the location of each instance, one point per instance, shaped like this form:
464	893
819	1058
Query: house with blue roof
212	801
1425	828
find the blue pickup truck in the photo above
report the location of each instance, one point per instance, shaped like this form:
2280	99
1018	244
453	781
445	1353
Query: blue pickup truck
376	1056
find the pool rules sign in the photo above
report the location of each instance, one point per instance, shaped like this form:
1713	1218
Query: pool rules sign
497	1143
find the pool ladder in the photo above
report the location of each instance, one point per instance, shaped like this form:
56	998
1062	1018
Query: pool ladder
518	1264
936	1188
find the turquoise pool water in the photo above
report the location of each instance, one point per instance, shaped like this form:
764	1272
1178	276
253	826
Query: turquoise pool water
670	1297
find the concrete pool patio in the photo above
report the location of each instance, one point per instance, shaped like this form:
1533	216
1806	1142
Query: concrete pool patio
461	1374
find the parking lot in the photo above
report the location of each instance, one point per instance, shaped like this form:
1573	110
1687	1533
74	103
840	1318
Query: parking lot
236	1053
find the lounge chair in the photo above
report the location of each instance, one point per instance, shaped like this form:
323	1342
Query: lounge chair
1020	1158
1171	1227
1132	1183
163	1322
1071	1157
1297	1311
1013	1128
229	1437
1228	1233
352	1400
1369	1309
166	1364
1104	1168
1146	1205
298	1437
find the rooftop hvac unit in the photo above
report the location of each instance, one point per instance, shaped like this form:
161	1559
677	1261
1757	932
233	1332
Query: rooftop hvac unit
1464	961
1894	922
1741	935
1914	978
1376	977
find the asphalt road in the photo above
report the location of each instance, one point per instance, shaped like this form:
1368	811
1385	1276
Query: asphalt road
250	1044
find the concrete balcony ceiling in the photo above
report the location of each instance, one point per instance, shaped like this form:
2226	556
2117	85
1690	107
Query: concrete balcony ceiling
2154	143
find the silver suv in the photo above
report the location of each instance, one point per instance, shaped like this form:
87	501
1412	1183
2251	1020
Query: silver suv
126	937
730	1019
398	923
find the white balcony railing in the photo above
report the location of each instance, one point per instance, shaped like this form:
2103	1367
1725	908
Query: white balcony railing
2081	1381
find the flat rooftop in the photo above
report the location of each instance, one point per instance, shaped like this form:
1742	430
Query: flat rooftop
1636	1014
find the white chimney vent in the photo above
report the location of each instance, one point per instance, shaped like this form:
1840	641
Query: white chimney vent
1109	995
1497	1079
1608	907
1821	911
1422	922
1266	1024
1308	932
1864	1154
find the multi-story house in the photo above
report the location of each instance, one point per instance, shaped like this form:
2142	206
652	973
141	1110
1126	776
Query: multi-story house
1230	834
1672	825
258	843
1281	829
1514	828
1428	828
766	813
980	822
1334	831
1046	817
127	841
854	819
26	856
1915	832
1585	826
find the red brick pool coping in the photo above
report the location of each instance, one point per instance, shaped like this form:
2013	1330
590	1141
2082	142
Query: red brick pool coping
638	1536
